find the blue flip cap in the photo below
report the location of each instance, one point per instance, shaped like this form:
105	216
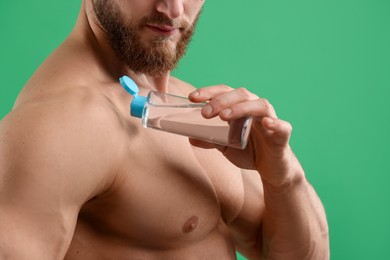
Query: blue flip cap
138	103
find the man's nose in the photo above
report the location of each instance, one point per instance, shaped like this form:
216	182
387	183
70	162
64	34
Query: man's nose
172	8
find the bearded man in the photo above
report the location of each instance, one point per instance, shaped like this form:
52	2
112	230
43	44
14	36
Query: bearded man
80	179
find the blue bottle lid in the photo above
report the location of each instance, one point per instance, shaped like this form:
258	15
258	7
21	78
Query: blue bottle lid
138	103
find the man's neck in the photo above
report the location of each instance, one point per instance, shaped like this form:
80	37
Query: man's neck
156	83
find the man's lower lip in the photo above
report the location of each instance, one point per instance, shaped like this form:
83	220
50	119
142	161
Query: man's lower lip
162	32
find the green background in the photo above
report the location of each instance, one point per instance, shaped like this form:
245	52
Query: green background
324	65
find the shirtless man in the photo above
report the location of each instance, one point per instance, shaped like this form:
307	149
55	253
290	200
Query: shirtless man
81	179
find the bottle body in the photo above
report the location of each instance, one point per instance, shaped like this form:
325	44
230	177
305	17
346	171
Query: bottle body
178	115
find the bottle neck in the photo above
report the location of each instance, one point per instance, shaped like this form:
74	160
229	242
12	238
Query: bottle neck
137	106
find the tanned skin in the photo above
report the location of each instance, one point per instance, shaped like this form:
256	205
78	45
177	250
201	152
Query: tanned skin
81	179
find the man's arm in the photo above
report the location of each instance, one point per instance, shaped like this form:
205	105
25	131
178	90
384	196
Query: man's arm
282	217
294	223
53	158
280	223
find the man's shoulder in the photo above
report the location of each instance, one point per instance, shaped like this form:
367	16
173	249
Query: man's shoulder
69	118
62	141
68	106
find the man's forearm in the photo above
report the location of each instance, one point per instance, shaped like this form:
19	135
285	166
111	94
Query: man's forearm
294	225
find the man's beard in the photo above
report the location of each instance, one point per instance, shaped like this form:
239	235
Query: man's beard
154	58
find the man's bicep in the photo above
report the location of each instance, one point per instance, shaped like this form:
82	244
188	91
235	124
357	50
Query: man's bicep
46	174
37	211
33	214
32	228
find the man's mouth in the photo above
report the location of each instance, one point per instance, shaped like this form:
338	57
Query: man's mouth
166	30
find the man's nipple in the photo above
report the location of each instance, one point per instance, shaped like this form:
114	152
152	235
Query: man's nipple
190	224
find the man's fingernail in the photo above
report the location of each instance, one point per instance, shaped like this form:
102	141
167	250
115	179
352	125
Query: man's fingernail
195	94
227	111
207	110
270	121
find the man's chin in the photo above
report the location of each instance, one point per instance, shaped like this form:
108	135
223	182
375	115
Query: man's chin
157	73
154	64
167	43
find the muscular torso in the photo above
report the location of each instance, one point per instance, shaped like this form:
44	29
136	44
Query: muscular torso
169	201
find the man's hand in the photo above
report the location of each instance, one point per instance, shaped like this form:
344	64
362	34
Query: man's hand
268	149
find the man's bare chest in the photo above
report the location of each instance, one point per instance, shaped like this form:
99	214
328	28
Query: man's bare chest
168	193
